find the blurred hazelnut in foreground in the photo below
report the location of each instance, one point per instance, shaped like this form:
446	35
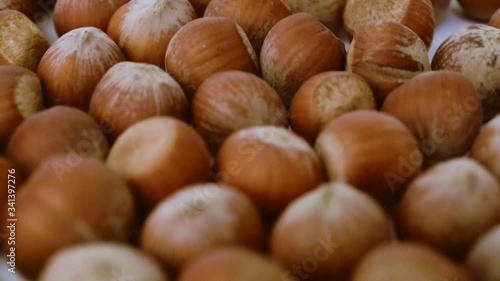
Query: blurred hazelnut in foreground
102	261
328	229
410	262
57	130
198	219
232	264
484	256
65	203
486	148
449	206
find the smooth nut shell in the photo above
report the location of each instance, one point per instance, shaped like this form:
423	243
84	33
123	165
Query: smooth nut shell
484	256
447	212
442	111
408	261
325	97
272	165
83	55
282	66
330	229
486	148
473	51
21	42
232	264
20	97
206	46
206	217
130	92
101	261
480	10
232	100
372	151
57	130
158	156
386	54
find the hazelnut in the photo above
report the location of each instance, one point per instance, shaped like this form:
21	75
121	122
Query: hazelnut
198	219
386	54
158	156
232	100
410	262
74	64
272	165
101	261
442	111
486	149
20	97
297	48
473	51
495	19
143	29
232	263
21	42
57	130
63	204
130	92
221	44
325	97
26	7
329	12
482	258
417	15
449	206
256	17
329	229
372	151
69	14
480	10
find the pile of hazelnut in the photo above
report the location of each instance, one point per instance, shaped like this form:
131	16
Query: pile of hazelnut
237	140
